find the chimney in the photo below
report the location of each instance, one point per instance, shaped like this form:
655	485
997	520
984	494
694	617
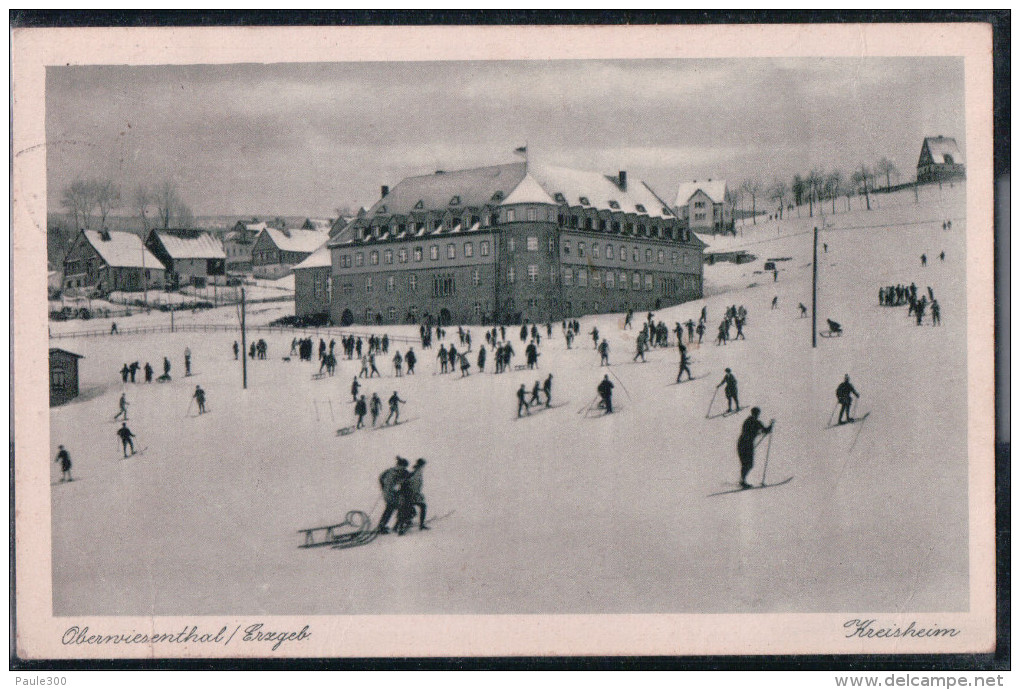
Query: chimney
623	180
104	235
385	190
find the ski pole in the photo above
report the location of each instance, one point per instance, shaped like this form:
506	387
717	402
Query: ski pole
186	414
833	412
621	382
768	449
588	406
709	411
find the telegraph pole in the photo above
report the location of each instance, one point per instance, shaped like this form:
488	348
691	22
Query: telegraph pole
814	294
244	346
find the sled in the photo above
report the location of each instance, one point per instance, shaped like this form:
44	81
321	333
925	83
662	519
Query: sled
355	530
752	488
344	431
319	375
830	334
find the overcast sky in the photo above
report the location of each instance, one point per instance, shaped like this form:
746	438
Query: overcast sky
304	139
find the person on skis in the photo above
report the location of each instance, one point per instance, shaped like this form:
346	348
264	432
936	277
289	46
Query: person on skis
410	359
64	458
411	498
604	353
355	387
125	438
730	381
390	482
844	391
375	407
394	402
547	389
685	365
605	391
745	444
522	392
199	397
360	409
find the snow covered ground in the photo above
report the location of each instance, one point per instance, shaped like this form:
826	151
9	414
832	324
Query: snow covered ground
560	512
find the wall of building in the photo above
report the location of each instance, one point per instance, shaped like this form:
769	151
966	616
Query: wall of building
63	378
311	291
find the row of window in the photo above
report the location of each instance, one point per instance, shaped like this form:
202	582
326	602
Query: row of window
635	253
442	285
478	308
417	253
267	257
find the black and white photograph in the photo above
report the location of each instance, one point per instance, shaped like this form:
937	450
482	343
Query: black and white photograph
681	342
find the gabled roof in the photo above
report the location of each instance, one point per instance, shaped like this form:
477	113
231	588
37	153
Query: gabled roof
601	192
296	240
316	224
714	189
66	352
190	244
940	147
473	187
529	191
320	258
122	250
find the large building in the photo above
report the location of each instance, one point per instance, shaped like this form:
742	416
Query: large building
312	284
940	160
107	261
704	206
510	243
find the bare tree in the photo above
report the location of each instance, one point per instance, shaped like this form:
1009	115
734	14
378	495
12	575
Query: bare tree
885	167
107	195
833	184
814	180
142	200
79	198
778	192
862	177
171	211
752	186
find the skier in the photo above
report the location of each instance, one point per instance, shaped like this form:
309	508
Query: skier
360	409
199	397
704	313
701	331
166	369
684	365
148	373
604	352
398	362
942	256
125	372
64	458
924	260
411	497
775	275
723	333
390	482
355	386
394	408
113	328
133	369
371	363
187	361
375	407
803	309
364	367
410	359
595	336
536	392
627	319
442	359
730	382
641	347
745	444
844	391
125	438
237	348
775	301
521	402
936	313
690	330
524	332
123	407
605	391
547	388
481	358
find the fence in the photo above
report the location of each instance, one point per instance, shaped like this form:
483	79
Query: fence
320	332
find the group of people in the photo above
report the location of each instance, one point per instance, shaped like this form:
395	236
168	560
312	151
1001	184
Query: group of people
402	495
734	317
373	406
898	295
524	404
129	372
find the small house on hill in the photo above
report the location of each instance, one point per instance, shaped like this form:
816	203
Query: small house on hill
317	224
312	284
940	159
277	251
191	257
63	375
704	206
109	261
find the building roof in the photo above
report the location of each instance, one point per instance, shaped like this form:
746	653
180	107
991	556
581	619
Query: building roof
296	240
190	244
715	189
940	147
122	250
474	187
320	258
598	191
317	224
66	352
529	191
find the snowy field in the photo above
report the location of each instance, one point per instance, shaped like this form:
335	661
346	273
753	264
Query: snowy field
560	512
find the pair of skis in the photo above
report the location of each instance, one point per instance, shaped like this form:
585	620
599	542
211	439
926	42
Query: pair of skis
765	469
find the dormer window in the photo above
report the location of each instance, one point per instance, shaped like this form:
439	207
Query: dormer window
641	208
381	209
614	204
560	198
455	201
666	211
584	201
498	196
420	204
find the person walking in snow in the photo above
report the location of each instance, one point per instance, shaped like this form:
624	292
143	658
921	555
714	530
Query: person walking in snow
199	397
125	371
187	361
237	349
375	407
924	260
360	409
123	407
442	359
355	387
605	391
595	336
364	367
547	389
844	391
522	393
723	333
411	499
942	256
627	319
745	444
481	359
604	353
113	328
125	439
701	331
739	321
536	393
371	363
936	313
148	372
684	365
803	310
410	359
390	483
775	301
641	347
398	363
465	365
64	458
730	381
394	408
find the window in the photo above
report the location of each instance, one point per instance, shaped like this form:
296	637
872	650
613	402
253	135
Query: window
455	201
699	204
636	255
359	259
623	253
602	224
434	252
412	281
573	221
588	225
417	253
368	315
451	251
510	244
675	258
636	281
616	226
641	229
560	198
648	281
552	244
348	288
532	303
610	279
596	279
594	250
475	220
699	216
469	249
566	247
373	258
628	228
388	256
510	275
368	284
648	256
475	277
510	215
478	310
614	204
580	250
662	257
484	246
532	273
498	196
640	208
443	285
532	214
402	256
582	278
390	283
345	261
392	314
568	277
623	281
609	251
552	275
455	222
532	243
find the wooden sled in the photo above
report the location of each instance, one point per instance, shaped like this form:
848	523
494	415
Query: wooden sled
356	529
830	334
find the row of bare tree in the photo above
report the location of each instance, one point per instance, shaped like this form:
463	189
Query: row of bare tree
815	187
159	205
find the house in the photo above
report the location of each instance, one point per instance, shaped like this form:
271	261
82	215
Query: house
343	221
704	206
312	284
317	224
63	375
107	261
191	257
277	251
510	243
238	243
940	159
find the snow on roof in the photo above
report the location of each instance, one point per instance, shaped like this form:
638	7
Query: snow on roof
940	147
320	258
297	240
467	188
599	191
529	191
317	224
190	244
122	250
715	189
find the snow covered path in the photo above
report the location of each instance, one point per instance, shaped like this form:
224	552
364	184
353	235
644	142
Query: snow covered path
559	512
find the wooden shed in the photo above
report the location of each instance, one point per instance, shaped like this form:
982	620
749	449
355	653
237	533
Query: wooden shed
63	376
